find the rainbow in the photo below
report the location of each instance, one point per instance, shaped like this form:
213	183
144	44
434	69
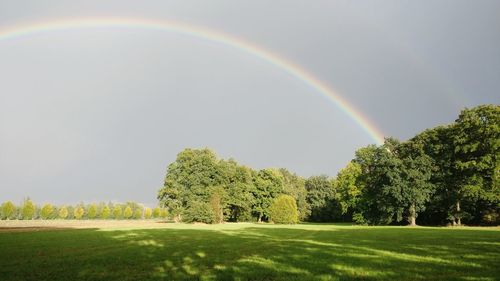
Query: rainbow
289	67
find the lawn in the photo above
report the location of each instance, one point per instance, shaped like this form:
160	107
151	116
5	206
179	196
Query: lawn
251	252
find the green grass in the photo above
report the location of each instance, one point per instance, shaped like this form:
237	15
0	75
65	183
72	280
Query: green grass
252	252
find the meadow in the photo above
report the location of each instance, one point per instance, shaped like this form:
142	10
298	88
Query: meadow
62	250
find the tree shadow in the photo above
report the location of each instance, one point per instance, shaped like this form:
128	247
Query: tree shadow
253	253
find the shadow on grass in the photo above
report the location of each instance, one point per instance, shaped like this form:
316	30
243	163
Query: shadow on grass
252	253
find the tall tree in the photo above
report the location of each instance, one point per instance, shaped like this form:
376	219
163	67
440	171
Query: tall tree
322	199
268	185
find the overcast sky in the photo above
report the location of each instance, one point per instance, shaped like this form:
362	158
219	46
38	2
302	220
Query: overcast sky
97	114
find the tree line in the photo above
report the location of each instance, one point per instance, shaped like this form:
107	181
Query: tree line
444	175
28	210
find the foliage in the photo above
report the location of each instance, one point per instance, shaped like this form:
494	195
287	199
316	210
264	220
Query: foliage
127	213
284	210
63	212
322	199
147	213
28	210
78	212
47	211
199	212
92	211
105	212
117	212
157	213
8	210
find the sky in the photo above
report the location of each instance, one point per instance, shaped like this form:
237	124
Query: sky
97	113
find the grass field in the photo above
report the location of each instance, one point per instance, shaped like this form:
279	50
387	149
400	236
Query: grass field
160	251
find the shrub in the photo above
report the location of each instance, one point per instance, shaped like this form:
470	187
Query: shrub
284	210
63	213
47	211
148	213
164	213
199	212
8	210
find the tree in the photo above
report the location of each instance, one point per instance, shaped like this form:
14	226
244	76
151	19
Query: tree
268	185
8	210
199	212
284	210
47	211
164	213
28	210
476	142
117	212
105	213
63	212
92	211
147	213
157	213
79	212
189	179
322	199
127	213
216	203
294	186
138	213
349	191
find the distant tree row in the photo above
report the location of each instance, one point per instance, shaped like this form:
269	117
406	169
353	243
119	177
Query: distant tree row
130	210
448	174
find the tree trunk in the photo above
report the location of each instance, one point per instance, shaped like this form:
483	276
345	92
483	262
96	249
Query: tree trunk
413	215
459	221
260	218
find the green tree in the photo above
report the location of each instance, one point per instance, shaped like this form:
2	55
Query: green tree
127	213
78	212
157	213
199	212
189	179
164	213
28	210
284	210
269	184
138	213
216	202
8	210
63	213
117	212
47	211
105	213
294	185
349	191
92	211
476	142
322	199
147	213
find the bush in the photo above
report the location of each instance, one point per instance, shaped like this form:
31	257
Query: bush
47	211
8	210
199	212
284	210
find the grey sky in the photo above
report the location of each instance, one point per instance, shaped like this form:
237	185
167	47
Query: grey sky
97	114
